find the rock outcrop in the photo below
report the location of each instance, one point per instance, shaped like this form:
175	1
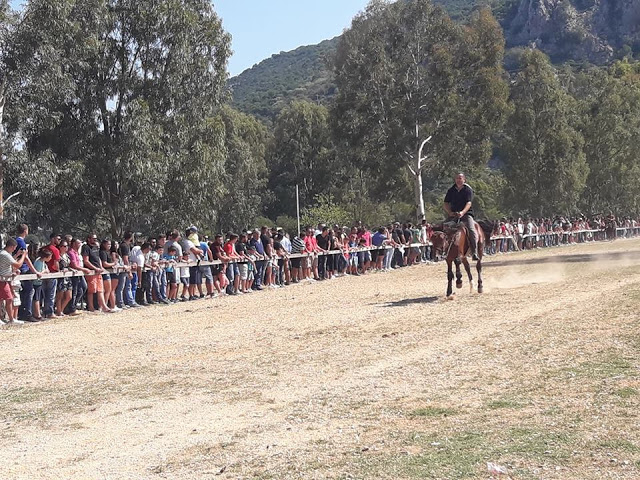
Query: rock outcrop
590	30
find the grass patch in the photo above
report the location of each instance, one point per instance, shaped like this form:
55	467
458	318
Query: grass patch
626	392
537	444
432	411
611	365
504	403
619	444
32	405
456	457
464	455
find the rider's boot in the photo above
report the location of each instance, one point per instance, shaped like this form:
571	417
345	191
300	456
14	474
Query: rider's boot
474	251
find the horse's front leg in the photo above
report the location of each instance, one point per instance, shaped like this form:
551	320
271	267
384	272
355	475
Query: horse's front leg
479	269
449	279
458	273
468	269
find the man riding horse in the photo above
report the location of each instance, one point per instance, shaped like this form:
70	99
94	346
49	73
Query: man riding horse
458	205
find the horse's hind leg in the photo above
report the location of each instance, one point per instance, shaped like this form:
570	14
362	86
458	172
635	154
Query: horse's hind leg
468	269
449	279
458	273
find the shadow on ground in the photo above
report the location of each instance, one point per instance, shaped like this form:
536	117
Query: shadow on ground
581	258
410	301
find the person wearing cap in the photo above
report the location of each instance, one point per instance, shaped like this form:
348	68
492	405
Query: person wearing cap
458	205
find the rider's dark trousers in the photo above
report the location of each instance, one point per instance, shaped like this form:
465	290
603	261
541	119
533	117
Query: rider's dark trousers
473	235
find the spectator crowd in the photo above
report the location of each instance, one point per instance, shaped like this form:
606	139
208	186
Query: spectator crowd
107	276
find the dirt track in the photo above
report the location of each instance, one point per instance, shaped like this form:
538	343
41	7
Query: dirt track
369	377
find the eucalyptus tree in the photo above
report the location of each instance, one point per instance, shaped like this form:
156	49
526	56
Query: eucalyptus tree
417	91
545	163
118	96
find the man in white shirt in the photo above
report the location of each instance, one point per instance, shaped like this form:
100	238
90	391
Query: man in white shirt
195	276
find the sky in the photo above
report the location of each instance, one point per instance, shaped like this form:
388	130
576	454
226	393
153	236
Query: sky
261	28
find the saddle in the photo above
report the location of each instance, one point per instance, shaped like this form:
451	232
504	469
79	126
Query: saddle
450	229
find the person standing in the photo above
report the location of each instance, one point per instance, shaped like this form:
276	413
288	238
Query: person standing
91	258
7	266
65	288
323	243
257	244
50	284
124	294
78	283
26	295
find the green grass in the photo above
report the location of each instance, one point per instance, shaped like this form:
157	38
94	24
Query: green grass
504	403
456	457
464	454
619	444
536	444
432	411
609	365
626	392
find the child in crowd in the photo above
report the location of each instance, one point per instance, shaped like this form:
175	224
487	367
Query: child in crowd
170	259
184	278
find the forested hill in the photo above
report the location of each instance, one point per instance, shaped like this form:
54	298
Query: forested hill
594	31
301	73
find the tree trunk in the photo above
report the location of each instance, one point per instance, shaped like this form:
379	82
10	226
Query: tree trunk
419	197
2	99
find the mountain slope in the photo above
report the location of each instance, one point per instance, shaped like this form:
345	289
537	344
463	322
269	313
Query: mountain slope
594	31
266	88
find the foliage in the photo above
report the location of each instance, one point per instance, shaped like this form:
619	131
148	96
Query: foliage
122	94
301	154
325	210
245	170
302	74
288	224
404	72
305	73
545	164
610	112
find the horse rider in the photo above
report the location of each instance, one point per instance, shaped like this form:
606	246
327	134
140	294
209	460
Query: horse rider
457	204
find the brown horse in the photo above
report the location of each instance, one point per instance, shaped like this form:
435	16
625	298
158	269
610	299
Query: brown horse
453	240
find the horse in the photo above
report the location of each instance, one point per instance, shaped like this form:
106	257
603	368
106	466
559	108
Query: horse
452	238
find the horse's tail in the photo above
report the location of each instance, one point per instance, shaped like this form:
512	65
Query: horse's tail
487	229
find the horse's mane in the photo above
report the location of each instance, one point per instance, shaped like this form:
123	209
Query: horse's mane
487	228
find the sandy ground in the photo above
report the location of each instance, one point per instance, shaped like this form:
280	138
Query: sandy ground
370	377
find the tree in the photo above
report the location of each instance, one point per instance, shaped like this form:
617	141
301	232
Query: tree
245	170
123	93
544	163
417	91
610	110
301	154
7	25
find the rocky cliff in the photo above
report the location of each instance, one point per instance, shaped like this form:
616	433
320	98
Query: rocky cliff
588	30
